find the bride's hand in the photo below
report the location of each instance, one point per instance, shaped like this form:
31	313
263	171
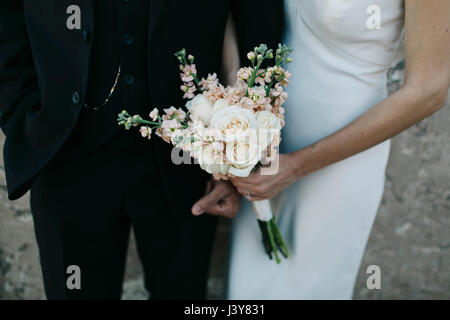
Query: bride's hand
259	187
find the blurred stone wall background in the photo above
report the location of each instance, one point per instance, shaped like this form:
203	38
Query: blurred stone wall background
410	240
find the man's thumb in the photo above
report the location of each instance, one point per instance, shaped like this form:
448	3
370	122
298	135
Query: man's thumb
196	209
201	205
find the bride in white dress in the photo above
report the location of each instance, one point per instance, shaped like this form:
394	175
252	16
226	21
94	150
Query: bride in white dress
335	145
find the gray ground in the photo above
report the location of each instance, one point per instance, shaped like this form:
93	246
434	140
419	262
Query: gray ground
410	240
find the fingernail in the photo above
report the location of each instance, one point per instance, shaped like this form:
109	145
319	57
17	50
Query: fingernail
196	210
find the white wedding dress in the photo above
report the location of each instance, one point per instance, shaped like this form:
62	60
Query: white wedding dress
341	59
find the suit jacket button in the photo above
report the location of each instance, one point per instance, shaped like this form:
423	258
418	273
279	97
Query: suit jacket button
129	79
127	38
76	98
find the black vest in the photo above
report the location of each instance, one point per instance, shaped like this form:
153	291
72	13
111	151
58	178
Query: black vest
120	40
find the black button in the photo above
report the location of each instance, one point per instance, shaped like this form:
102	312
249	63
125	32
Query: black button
76	98
128	38
86	35
129	79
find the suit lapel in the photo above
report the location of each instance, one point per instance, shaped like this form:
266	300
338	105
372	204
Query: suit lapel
155	11
153	16
88	24
87	9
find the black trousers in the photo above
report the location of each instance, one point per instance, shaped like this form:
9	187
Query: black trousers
83	206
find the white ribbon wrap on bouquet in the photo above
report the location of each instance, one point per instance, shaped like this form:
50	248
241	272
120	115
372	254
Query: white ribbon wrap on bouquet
263	210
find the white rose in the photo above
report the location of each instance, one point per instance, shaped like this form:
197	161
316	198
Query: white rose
269	126
201	109
219	105
234	122
243	155
211	160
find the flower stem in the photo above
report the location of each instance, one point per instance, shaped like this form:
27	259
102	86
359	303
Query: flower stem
252	79
142	121
272	241
196	79
265	237
279	239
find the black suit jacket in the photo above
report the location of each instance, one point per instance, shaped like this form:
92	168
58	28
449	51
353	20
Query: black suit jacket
44	70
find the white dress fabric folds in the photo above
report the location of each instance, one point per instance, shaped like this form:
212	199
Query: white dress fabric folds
342	52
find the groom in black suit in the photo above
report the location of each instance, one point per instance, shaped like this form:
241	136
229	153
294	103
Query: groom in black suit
60	92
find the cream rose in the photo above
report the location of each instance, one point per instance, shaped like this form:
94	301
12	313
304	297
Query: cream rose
243	155
234	122
219	105
211	160
269	126
201	109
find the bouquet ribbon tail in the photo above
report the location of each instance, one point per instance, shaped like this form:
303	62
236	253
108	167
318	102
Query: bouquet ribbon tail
271	237
262	209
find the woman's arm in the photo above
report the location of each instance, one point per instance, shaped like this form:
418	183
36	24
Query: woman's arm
427	46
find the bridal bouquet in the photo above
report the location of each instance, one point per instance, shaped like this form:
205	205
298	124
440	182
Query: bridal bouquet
229	131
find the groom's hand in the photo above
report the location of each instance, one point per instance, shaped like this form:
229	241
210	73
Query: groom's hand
220	199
